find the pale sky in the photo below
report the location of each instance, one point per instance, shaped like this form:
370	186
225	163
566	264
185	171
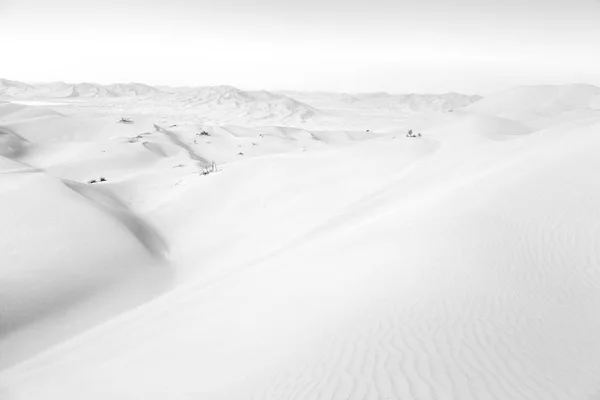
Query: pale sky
398	46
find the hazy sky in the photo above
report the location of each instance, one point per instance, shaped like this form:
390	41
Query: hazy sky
337	45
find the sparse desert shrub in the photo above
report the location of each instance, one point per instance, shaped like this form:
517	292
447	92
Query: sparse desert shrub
204	133
136	138
411	134
101	179
125	120
209	170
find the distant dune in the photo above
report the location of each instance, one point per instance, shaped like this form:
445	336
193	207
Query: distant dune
234	105
387	102
67	90
539	105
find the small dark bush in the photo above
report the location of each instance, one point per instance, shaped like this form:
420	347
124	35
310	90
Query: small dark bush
210	169
411	134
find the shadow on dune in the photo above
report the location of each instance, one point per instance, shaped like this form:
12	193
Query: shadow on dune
155	148
11	166
60	315
111	205
172	136
50	303
63	308
11	144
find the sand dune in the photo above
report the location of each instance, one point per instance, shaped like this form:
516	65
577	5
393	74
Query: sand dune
11	144
386	101
60	249
73	90
540	106
229	105
323	263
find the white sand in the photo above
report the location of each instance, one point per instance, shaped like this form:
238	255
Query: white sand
324	263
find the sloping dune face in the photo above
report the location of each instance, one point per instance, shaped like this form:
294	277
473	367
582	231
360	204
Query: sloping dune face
540	106
61	249
484	287
11	144
461	264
